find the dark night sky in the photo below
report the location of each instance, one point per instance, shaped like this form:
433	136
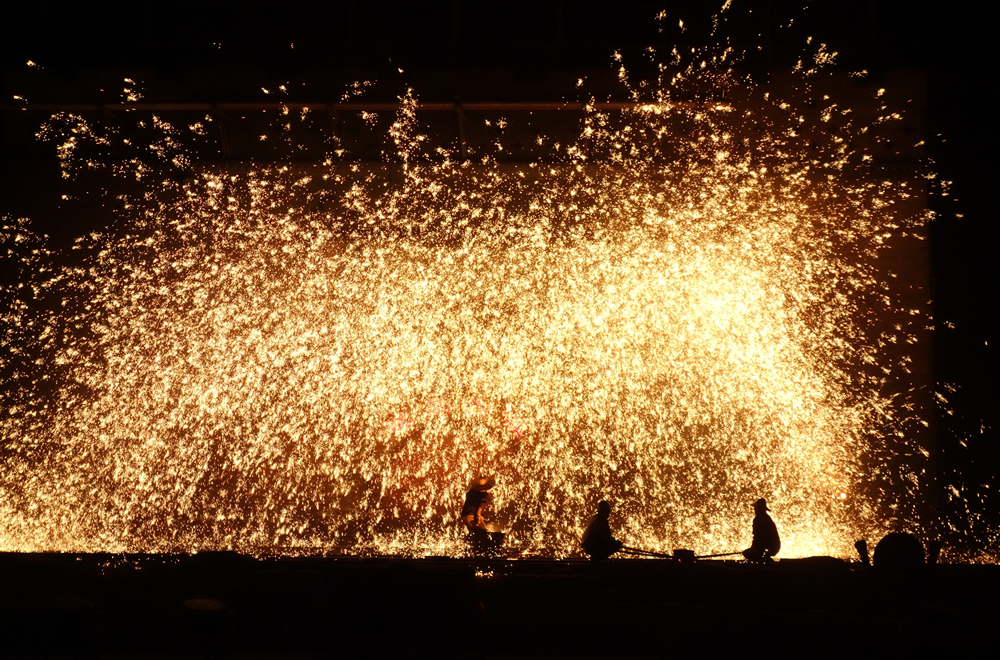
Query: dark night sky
949	41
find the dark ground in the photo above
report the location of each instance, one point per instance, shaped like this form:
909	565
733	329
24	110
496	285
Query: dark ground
228	605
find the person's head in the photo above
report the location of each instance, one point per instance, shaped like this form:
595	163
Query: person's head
482	483
760	507
604	508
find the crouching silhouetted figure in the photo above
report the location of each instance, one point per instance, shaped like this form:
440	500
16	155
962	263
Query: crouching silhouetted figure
766	542
899	553
482	542
597	540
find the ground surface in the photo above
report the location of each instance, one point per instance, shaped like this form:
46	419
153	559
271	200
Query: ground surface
227	605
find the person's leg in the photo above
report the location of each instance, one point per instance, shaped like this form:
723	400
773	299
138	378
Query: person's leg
604	551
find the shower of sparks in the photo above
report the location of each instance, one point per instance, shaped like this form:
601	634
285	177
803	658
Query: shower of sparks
675	316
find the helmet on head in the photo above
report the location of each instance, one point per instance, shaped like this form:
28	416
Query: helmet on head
482	483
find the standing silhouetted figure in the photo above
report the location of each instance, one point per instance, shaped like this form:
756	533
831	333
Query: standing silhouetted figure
597	540
766	542
481	540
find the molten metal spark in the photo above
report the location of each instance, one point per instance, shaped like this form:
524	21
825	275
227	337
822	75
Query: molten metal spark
675	316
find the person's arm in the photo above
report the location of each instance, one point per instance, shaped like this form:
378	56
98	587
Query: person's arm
480	522
775	541
585	541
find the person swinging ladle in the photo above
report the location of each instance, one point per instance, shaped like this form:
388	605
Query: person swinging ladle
481	540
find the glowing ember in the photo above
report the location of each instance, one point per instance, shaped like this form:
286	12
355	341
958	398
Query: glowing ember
674	317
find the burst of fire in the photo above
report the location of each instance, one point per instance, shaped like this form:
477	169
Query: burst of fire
672	317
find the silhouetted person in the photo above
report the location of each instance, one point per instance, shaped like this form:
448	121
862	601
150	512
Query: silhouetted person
481	540
597	540
477	497
766	542
899	552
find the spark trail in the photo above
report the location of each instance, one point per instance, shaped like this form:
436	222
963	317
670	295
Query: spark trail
672	315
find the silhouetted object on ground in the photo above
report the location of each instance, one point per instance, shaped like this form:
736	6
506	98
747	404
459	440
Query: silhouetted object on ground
766	542
899	552
862	548
684	556
482	542
597	539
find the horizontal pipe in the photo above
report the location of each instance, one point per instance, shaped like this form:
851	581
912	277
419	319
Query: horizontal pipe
648	553
724	554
